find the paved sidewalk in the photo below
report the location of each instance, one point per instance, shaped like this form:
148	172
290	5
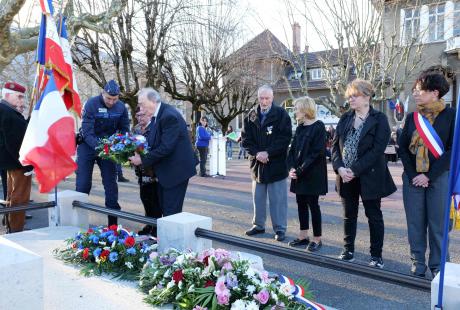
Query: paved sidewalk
229	202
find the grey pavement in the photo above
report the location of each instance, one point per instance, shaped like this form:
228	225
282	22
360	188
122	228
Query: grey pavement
228	201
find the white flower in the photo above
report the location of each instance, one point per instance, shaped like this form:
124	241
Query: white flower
141	259
274	296
252	305
167	274
285	289
129	265
191	289
180	259
238	305
102	242
251	289
113	244
170	284
140	138
155	274
180	284
250	272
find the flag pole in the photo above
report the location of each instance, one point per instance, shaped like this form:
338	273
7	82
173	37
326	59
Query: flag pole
445	240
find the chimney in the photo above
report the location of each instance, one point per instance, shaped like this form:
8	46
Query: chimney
296	38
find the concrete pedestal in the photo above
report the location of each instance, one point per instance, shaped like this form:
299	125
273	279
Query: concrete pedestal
64	214
451	296
178	231
21	280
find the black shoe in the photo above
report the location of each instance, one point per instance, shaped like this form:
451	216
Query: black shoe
346	256
376	262
434	272
28	216
147	230
122	179
418	271
205	175
280	236
313	246
254	231
299	242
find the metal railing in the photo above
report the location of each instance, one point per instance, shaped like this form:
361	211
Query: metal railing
27	207
294	254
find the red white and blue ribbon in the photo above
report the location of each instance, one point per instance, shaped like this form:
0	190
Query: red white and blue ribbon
298	292
429	135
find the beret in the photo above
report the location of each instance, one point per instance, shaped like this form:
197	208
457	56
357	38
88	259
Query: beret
112	88
15	87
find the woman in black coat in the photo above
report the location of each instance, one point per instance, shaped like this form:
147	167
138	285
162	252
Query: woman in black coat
308	171
358	158
425	177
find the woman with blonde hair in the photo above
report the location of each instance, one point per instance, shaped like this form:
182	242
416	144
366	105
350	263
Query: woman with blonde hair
308	171
358	158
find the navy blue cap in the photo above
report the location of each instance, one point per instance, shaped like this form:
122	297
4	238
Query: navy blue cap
112	88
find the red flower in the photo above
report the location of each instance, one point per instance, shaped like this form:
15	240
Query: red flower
74	245
209	283
104	254
106	149
206	260
113	227
90	231
178	276
129	242
85	253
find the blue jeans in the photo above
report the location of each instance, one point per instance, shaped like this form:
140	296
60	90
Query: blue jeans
229	149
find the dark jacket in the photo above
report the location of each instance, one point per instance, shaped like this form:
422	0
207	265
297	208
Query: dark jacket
370	167
273	136
444	124
308	157
170	150
98	121
12	130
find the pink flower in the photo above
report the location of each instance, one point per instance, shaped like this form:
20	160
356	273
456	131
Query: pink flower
227	266
223	299
220	288
153	255
264	276
263	296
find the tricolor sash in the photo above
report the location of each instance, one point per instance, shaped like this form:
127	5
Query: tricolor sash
298	292
429	135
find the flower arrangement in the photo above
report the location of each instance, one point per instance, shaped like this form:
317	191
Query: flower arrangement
213	279
112	250
119	147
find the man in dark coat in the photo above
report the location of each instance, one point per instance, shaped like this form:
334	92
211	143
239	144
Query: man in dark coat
103	116
170	151
266	136
12	130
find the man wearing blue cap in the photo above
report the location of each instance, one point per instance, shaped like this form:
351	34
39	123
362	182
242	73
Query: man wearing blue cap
102	116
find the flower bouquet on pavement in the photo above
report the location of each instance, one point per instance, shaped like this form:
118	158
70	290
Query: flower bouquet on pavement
213	279
119	147
112	250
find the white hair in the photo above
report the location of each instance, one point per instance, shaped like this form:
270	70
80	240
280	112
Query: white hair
265	88
8	91
151	94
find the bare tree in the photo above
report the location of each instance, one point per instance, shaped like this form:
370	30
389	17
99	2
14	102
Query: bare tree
16	41
200	68
363	45
133	49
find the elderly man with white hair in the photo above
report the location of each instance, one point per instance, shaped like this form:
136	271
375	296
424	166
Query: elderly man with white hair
12	130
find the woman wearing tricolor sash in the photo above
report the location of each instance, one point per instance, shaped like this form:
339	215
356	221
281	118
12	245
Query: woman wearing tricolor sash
425	148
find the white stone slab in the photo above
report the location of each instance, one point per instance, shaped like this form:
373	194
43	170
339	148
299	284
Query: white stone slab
21	277
64	214
451	295
178	231
64	287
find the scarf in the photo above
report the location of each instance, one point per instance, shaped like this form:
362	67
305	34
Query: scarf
416	146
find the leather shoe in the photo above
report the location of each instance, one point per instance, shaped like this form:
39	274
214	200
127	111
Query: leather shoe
254	231
299	242
280	236
122	179
28	216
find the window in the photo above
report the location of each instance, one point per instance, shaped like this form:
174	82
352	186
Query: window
316	74
295	75
411	24
436	22
457	19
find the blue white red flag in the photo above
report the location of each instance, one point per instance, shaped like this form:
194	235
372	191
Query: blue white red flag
298	292
47	6
429	135
49	142
71	96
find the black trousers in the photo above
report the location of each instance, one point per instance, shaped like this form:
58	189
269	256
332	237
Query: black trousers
4	182
150	200
350	203
305	205
172	199
203	150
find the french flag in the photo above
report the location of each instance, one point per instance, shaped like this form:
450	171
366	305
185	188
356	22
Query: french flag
47	6
49	53
70	96
49	142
